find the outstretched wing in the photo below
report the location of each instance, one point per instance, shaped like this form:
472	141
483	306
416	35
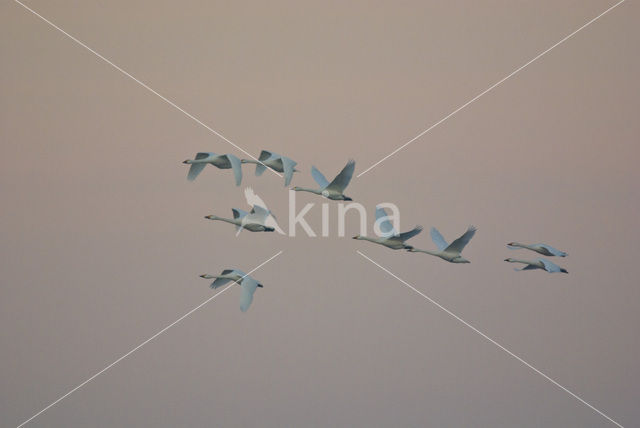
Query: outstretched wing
458	245
265	154
320	179
553	251
288	165
550	266
410	234
195	170
437	239
249	286
253	198
342	180
386	227
236	165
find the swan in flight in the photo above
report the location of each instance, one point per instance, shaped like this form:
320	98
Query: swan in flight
544	249
335	189
253	220
538	264
247	283
227	161
391	238
254	200
449	252
276	162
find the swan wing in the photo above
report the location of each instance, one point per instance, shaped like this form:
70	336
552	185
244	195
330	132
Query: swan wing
236	165
203	155
253	199
320	179
259	213
386	227
437	239
550	266
219	282
238	213
527	267
410	234
553	251
249	286
266	154
342	180
458	245
195	170
288	165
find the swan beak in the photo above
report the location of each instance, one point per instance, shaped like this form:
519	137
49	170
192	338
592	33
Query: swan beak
506	260
209	217
187	161
202	276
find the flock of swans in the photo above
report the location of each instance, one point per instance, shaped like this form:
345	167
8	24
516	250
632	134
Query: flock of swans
261	219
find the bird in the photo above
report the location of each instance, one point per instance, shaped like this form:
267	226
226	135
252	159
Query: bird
276	162
544	249
227	161
391	238
254	200
253	221
248	284
449	252
335	189
538	264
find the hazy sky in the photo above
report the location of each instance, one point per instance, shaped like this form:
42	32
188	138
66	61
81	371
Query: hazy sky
103	238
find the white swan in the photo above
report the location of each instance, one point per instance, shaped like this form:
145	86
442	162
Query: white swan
221	161
335	189
247	283
538	264
449	252
391	239
253	220
276	162
254	200
544	249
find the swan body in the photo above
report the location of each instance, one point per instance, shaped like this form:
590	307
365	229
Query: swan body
391	239
544	249
276	162
449	252
331	190
253	221
254	200
202	159
248	284
538	264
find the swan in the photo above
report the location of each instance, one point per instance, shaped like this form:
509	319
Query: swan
221	161
391	239
247	283
253	220
335	189
538	264
253	199
449	252
544	249
276	162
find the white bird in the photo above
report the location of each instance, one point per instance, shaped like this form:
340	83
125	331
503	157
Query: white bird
253	220
449	252
254	200
538	264
276	162
227	161
335	189
544	249
391	239
247	283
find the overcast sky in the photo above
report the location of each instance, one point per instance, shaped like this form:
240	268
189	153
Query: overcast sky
103	238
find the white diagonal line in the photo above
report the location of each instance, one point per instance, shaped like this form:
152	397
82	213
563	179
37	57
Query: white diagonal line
144	85
490	88
491	340
144	343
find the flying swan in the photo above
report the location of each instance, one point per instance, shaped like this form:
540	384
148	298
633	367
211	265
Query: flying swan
335	189
227	161
247	283
538	264
254	221
544	249
449	252
276	162
391	238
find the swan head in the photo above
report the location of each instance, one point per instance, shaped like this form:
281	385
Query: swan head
206	276
210	217
508	260
357	237
187	161
245	161
296	188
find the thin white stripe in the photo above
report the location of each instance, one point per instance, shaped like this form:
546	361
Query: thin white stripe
491	340
490	88
144	343
144	85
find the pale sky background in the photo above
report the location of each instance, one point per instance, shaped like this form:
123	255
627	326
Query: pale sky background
103	238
